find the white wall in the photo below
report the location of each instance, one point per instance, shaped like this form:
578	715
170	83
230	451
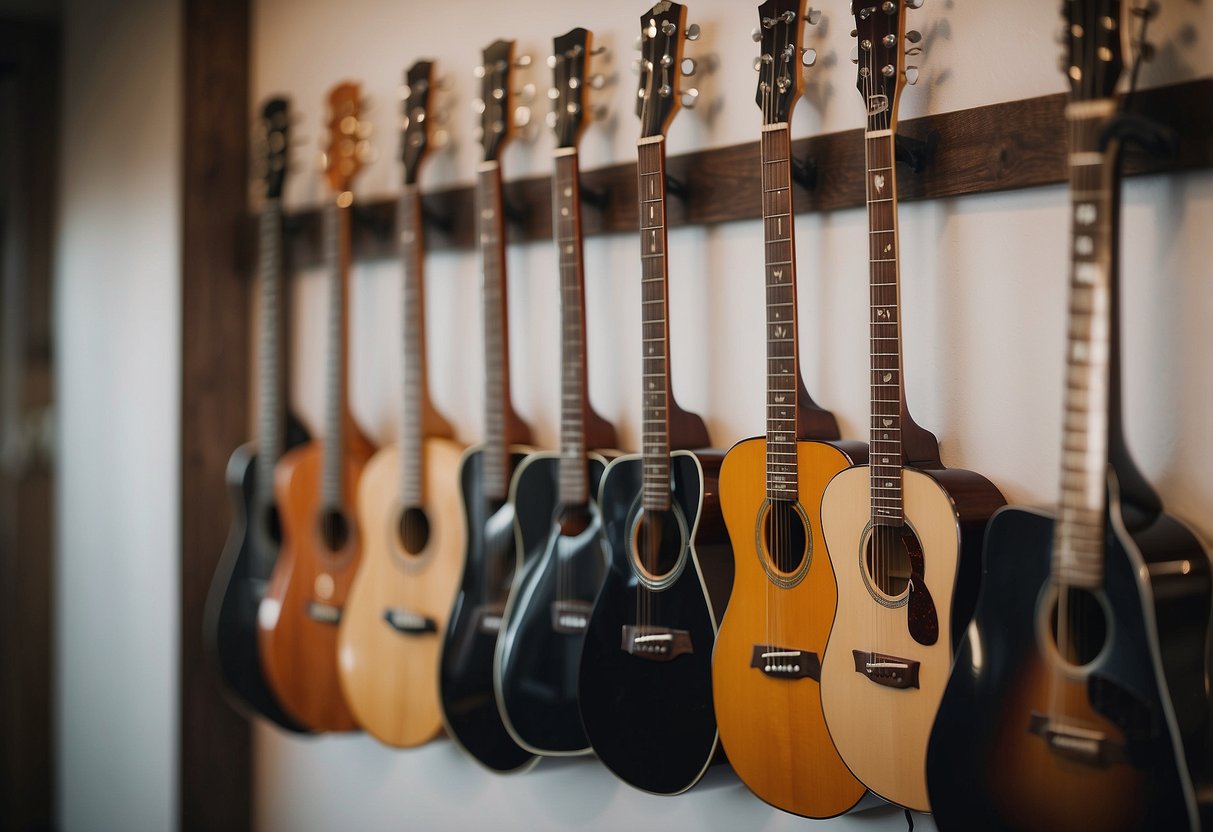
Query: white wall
984	295
118	333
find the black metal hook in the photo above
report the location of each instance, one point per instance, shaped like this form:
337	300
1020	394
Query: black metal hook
600	198
1152	136
804	172
676	187
916	154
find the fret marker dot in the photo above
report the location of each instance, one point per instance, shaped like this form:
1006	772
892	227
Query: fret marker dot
568	249
885	436
884	460
564	212
888	248
878	181
888	484
487	213
1084	245
568	191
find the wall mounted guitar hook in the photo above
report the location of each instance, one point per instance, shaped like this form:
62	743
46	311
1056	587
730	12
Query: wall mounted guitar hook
917	154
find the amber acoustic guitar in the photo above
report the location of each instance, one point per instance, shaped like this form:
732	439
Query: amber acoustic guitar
903	533
408	509
767	664
314	483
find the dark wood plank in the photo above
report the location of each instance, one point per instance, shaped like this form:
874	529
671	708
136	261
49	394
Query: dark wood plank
216	770
29	112
999	147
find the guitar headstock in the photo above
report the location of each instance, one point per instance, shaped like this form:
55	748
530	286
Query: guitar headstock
571	83
416	129
273	141
348	145
660	66
496	102
780	34
1097	38
880	28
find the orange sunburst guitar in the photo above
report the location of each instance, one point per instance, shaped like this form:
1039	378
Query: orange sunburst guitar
408	510
321	548
766	667
903	533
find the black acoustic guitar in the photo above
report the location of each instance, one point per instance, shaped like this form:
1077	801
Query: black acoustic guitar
469	702
1078	699
646	668
230	624
558	525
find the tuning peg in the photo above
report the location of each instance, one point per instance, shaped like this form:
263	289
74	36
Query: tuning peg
690	97
600	112
913	36
440	139
911	75
522	116
478	72
758	64
808	56
551	61
914	50
599	50
522	61
855	54
756	34
478	106
688	67
527	94
1146	8
814	16
598	81
693	31
914	4
553	94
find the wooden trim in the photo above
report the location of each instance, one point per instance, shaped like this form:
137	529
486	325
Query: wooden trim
999	147
215	777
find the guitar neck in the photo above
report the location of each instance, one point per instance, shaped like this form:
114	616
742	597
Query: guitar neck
654	318
271	383
412	256
489	204
887	391
336	416
783	373
1078	544
574	398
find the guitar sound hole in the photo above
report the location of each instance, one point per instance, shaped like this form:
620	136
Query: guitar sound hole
1080	637
786	537
334	529
414	530
888	559
657	543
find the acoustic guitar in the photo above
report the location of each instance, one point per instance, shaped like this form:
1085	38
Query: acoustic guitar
557	522
469	699
903	533
230	623
767	665
646	669
1079	697
408	507
314	483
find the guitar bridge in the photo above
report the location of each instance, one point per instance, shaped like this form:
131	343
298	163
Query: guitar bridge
324	613
1075	743
782	663
571	617
889	671
409	623
660	644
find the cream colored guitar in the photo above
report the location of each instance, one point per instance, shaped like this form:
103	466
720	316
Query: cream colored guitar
903	533
409	512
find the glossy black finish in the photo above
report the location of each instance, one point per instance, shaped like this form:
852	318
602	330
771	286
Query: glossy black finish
230	622
536	664
653	723
469	700
978	699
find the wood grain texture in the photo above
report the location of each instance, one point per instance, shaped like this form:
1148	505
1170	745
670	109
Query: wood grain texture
215	753
299	653
390	679
773	729
882	732
998	147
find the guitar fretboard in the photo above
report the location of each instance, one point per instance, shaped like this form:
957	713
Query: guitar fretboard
887	394
654	298
496	471
412	256
782	370
336	242
270	382
1078	541
566	226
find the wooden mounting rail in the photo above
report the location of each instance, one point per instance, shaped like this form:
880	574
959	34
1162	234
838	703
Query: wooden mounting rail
998	147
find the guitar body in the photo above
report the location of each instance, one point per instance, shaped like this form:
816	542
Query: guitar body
649	715
771	723
298	617
230	624
394	618
538	650
468	697
1142	699
879	708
